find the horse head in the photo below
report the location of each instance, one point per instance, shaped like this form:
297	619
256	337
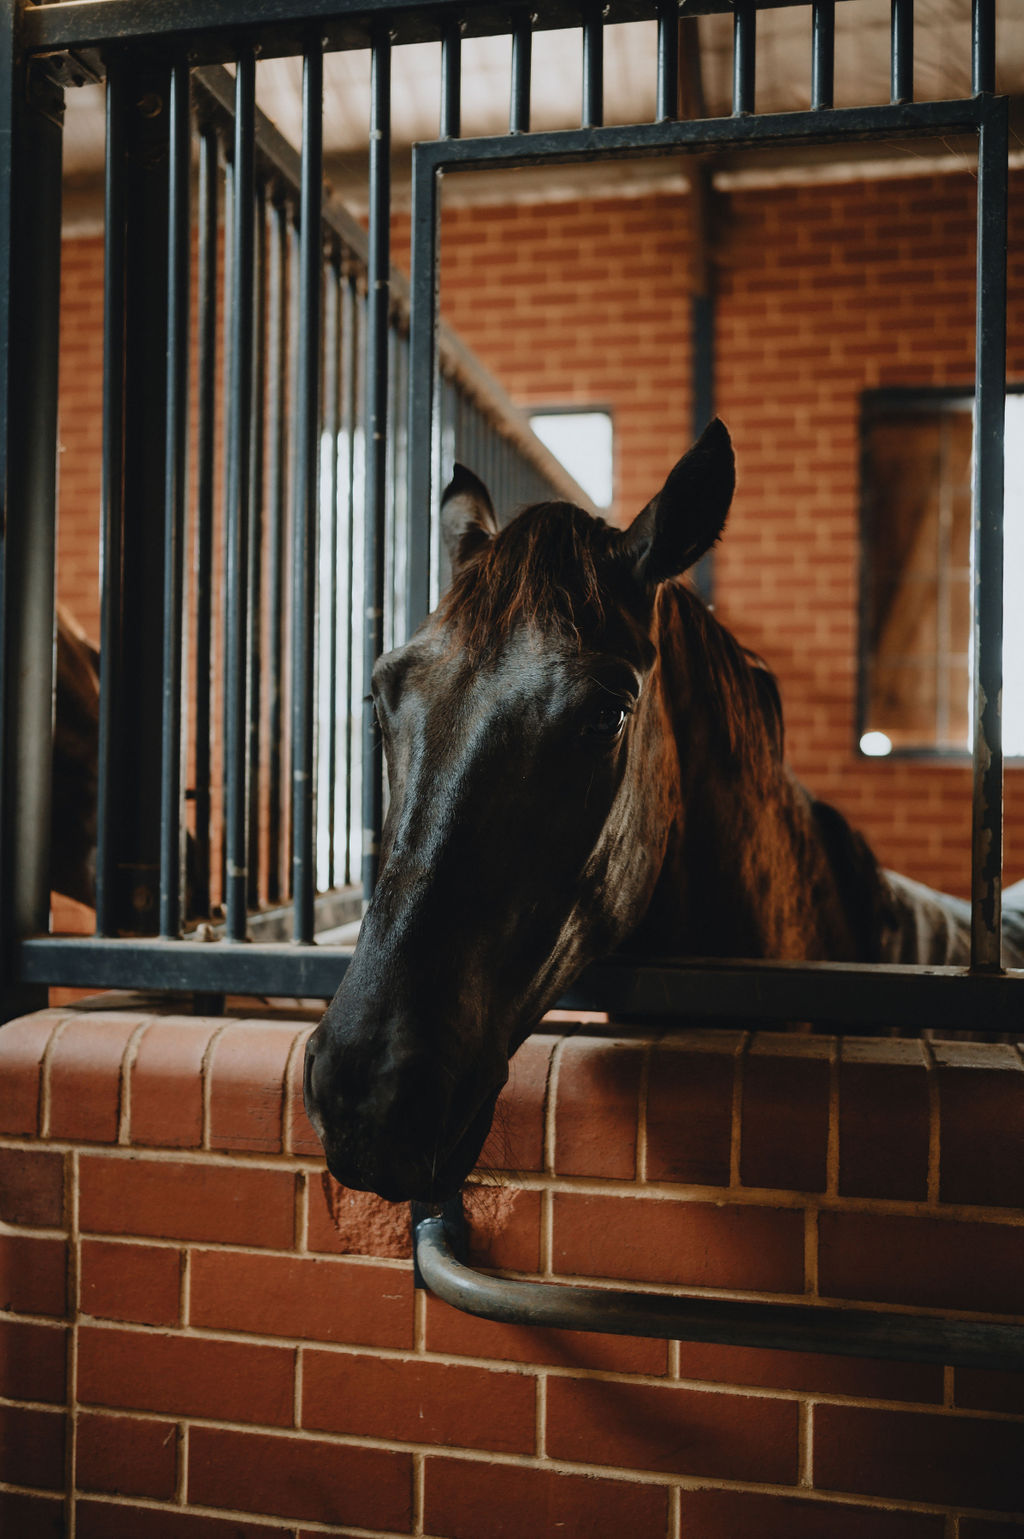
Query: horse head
533	776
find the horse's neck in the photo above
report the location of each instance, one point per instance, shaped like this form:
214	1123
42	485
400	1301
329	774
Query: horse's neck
748	869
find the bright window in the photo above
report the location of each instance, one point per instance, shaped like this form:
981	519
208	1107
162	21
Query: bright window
582	440
916	608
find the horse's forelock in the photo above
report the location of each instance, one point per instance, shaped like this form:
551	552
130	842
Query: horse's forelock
548	568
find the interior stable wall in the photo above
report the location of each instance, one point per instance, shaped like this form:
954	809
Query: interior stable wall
202	1337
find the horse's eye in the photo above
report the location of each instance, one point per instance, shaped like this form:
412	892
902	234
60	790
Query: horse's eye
606	722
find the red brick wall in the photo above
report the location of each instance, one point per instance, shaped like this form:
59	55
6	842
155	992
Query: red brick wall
824	291
200	1338
81	419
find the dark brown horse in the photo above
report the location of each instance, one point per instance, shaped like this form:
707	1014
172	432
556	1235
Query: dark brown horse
75	751
580	757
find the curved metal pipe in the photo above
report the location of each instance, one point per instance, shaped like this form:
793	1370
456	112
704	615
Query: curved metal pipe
786	1327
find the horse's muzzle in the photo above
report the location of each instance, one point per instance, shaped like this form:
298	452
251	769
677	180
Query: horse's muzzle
390	1130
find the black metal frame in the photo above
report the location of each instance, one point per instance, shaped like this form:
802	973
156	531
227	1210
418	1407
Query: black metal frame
985	114
70	36
875	403
65	36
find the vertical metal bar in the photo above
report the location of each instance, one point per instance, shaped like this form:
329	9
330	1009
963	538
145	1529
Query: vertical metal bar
422	382
277	468
989	425
522	53
902	51
983	46
206	285
227	367
31	106
668	61
823	54
306	505
257	455
378	299
451	83
236	531
331	501
136	770
112	495
593	68
350	418
175	490
744	57
391	541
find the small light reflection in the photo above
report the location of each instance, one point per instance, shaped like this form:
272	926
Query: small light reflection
876	745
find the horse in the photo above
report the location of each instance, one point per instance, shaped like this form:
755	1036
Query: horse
75	762
581	758
75	769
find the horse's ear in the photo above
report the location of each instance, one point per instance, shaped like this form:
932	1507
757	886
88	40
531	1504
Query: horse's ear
467	516
687	516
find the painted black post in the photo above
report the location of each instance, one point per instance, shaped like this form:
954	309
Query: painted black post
668	61
133	555
744	57
277	473
823	43
305	508
451	82
593	68
31	116
175	491
206	385
987	539
519	98
236	522
332	501
983	46
254	579
902	51
375	530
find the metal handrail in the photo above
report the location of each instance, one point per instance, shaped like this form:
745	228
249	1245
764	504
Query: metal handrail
917	1338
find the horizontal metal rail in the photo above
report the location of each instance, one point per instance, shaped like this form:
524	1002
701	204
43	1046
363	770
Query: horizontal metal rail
689	1317
283	26
838	994
899	119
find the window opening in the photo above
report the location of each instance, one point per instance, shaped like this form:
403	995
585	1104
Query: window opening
916	645
581	438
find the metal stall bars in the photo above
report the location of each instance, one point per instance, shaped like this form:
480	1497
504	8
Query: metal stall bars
135	844
244	679
783	990
139	197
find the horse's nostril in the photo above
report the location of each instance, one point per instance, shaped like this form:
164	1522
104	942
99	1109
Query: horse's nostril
309	1095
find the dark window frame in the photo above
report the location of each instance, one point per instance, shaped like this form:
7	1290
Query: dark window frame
902	400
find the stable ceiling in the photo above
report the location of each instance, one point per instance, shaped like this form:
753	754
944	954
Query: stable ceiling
942	69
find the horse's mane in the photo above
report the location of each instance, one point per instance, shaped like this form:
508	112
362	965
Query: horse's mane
547	567
741	690
552	566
